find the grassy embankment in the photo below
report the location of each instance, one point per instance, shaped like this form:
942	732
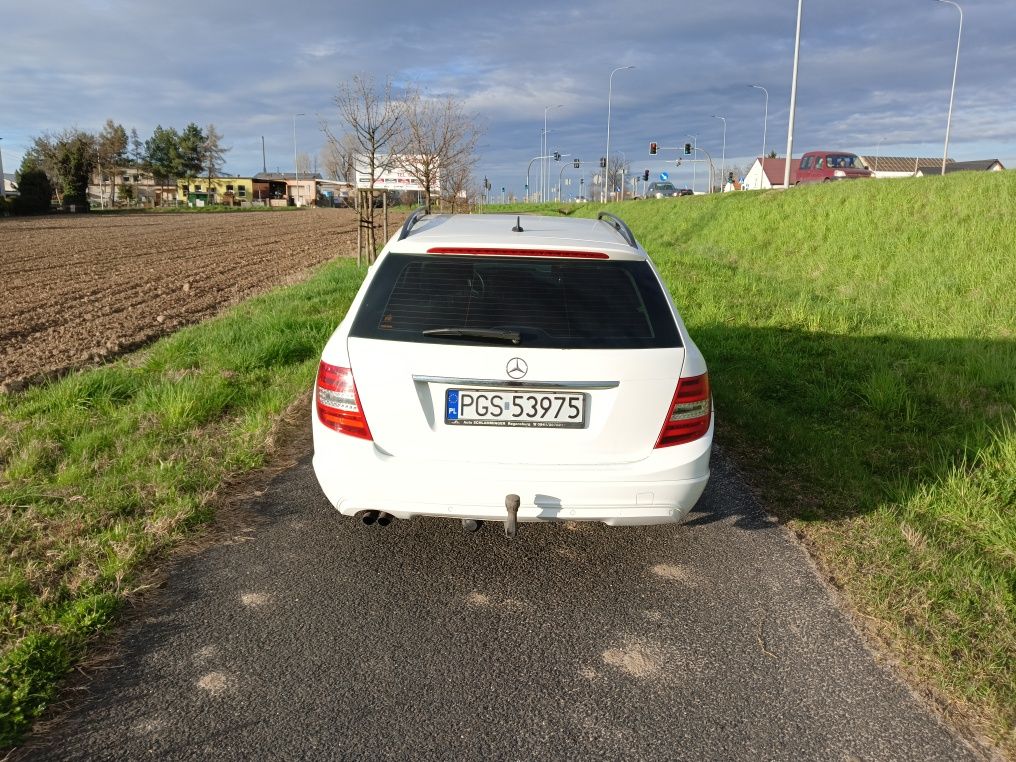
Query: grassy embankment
104	469
862	347
860	340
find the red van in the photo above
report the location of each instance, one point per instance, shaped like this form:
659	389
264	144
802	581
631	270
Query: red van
826	166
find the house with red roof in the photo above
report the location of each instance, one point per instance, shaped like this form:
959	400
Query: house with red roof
772	177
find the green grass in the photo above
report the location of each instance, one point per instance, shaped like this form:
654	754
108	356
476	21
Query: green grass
860	339
105	469
861	348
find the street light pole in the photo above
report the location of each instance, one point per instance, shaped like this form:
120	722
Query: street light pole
952	94
3	183
610	87
723	161
296	165
793	98
878	150
765	123
544	150
624	162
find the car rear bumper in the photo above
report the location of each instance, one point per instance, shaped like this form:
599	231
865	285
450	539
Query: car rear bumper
357	476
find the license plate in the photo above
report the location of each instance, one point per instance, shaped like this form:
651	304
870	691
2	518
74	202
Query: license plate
510	407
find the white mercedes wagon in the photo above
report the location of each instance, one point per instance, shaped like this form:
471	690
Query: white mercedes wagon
512	369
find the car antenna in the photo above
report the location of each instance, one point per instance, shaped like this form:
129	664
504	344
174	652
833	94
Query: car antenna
518	225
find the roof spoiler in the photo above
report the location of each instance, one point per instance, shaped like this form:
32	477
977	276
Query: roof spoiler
618	224
407	226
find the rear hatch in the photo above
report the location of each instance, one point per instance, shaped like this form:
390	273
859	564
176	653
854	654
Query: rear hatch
515	359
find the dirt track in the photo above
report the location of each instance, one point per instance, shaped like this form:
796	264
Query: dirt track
80	289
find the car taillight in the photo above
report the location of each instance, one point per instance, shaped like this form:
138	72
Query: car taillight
689	414
338	404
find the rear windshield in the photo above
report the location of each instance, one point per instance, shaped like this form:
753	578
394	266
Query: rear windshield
554	303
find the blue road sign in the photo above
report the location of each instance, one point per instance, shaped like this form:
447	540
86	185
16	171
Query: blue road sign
664	176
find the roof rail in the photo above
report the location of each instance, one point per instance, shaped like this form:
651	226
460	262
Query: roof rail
407	226
618	224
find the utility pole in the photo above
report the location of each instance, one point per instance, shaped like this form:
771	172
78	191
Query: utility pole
296	165
765	123
952	94
723	161
264	161
793	98
3	183
544	150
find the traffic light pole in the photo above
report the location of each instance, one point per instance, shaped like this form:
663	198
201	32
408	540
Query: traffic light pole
529	169
693	161
711	168
555	156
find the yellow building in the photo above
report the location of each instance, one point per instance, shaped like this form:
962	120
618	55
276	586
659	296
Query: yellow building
231	191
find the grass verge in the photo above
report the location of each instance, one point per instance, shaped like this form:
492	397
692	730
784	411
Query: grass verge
861	339
102	470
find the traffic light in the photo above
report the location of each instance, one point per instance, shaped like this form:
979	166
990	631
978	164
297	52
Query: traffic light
557	156
576	163
687	149
603	162
645	173
653	149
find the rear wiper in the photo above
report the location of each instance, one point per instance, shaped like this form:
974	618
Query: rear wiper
476	333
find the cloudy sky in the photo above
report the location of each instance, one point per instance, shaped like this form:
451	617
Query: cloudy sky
873	73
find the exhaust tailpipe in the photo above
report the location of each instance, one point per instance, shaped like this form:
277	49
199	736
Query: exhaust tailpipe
369	517
384	519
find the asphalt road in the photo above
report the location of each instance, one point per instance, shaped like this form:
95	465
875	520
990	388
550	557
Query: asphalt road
312	636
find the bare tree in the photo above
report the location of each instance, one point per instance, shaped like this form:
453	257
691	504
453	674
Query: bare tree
456	184
303	165
616	173
440	140
338	157
213	153
111	152
374	117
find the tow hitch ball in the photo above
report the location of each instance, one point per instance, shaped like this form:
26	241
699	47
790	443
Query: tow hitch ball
511	502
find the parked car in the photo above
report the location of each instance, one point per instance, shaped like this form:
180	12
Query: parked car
665	189
826	166
499	368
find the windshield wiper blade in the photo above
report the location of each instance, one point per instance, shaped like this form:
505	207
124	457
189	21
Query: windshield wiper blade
476	333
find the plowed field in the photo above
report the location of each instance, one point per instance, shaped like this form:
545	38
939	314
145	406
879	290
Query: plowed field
78	289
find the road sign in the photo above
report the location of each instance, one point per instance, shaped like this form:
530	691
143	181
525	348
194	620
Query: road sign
664	176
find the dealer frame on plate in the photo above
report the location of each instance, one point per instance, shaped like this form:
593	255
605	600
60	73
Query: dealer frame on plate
528	408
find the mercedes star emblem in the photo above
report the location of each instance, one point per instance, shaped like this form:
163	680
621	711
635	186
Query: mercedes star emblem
517	367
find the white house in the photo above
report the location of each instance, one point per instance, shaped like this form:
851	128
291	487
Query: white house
773	177
900	166
981	165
